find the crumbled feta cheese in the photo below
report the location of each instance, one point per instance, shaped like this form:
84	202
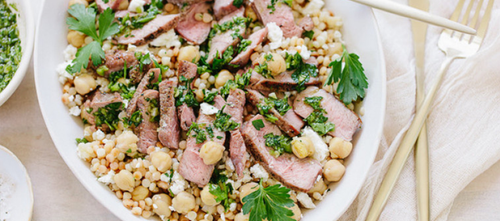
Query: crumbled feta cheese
320	148
259	172
136	6
208	109
305	200
274	34
108	178
304	52
312	7
168	39
131	47
337	36
232	207
85	151
63	74
98	135
75	111
230	165
70	53
178	183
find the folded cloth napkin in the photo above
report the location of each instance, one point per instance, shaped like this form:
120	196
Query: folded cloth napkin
463	125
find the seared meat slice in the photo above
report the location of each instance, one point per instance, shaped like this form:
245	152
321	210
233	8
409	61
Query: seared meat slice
150	31
345	120
222	41
150	77
191	29
282	16
281	82
188	2
289	123
98	100
115	61
169	123
113	4
297	174
237	151
306	23
147	130
192	167
242	58
235	105
223	7
186	113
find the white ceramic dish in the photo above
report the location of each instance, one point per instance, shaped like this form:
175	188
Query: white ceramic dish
26	25
19	203
360	35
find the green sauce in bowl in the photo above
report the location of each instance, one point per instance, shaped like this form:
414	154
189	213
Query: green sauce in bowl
10	43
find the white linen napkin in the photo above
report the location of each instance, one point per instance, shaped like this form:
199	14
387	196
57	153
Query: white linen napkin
463	125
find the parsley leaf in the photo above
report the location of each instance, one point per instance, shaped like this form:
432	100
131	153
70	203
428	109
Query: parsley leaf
93	51
280	143
108	115
316	119
323	128
308	34
267	104
238	3
83	21
82	140
271	203
352	79
258	124
135	119
303	71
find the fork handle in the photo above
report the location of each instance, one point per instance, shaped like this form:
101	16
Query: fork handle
406	146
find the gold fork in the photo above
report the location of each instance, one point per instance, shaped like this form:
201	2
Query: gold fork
454	45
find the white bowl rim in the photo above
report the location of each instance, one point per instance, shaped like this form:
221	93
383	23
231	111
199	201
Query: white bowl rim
27	51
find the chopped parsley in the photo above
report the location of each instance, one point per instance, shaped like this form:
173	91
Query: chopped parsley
135	119
243	45
223	121
129	23
108	115
258	124
82	140
303	71
199	132
220	62
308	34
279	143
153	110
351	79
219	187
240	81
238	3
209	96
316	119
184	94
271	203
84	20
267	104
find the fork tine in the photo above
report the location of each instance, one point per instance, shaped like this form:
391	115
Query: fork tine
465	19
481	31
473	23
458	10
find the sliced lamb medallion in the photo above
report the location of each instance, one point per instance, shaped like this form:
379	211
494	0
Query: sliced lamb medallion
346	121
169	124
222	41
192	167
282	16
281	82
186	113
223	7
98	100
297	174
242	58
113	4
151	30
150	77
147	130
191	29
115	61
290	123
188	2
306	23
237	152
235	105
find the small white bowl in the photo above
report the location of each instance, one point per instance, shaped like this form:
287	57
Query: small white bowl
26	26
20	201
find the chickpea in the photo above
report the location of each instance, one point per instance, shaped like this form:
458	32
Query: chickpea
125	180
222	78
319	187
184	202
241	217
333	170
340	148
161	160
189	53
127	142
75	38
140	193
84	84
207	197
162	202
247	189
296	212
83	2
302	147
123	5
211	152
249	13
275	63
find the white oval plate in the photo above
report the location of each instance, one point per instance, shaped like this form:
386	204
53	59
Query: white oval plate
13	175
360	35
26	26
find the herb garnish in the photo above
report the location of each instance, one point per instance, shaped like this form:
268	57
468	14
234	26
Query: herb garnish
316	119
269	203
308	34
258	124
238	3
199	133
352	79
267	104
129	23
243	45
280	143
135	119
303	71
223	121
221	189
82	140
108	115
85	21
240	81
184	94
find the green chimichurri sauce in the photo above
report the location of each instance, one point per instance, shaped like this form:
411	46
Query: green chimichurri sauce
10	44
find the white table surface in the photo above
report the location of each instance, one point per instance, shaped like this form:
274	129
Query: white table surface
59	195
